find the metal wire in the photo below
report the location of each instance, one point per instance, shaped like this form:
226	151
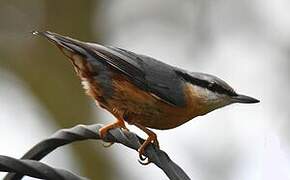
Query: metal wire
35	169
85	132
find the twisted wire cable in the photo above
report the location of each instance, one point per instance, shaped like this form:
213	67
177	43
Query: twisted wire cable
35	169
85	132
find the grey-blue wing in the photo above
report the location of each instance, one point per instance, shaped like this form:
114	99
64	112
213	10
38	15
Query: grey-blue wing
145	72
159	78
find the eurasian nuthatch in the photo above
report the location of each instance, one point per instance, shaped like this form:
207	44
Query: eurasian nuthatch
143	91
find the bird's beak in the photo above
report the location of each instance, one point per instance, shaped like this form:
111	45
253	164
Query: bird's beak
244	99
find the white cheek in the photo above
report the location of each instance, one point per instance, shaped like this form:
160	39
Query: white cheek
211	99
211	96
206	94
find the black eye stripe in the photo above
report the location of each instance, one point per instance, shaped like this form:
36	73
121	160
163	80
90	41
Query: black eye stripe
212	86
217	88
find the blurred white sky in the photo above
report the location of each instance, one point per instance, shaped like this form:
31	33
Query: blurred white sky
244	42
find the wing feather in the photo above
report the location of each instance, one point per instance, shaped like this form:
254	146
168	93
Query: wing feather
145	72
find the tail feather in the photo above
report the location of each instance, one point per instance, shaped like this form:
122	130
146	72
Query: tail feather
64	43
140	70
91	52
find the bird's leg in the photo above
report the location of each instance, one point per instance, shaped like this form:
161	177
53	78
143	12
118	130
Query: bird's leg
152	138
103	131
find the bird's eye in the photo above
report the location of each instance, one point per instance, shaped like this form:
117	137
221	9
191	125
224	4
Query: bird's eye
211	84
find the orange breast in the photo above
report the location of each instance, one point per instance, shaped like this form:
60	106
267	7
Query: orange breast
138	106
134	105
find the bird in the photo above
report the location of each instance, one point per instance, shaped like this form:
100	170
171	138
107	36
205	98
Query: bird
142	91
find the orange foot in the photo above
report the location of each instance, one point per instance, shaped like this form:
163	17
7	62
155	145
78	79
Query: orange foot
152	138
103	131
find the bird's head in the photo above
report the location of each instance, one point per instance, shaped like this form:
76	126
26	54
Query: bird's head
212	92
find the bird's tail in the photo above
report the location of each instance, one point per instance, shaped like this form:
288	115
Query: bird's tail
67	45
81	54
84	56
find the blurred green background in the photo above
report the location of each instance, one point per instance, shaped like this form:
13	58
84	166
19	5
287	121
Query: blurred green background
244	42
49	77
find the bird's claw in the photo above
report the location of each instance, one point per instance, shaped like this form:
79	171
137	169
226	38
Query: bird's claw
104	131
143	160
107	144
